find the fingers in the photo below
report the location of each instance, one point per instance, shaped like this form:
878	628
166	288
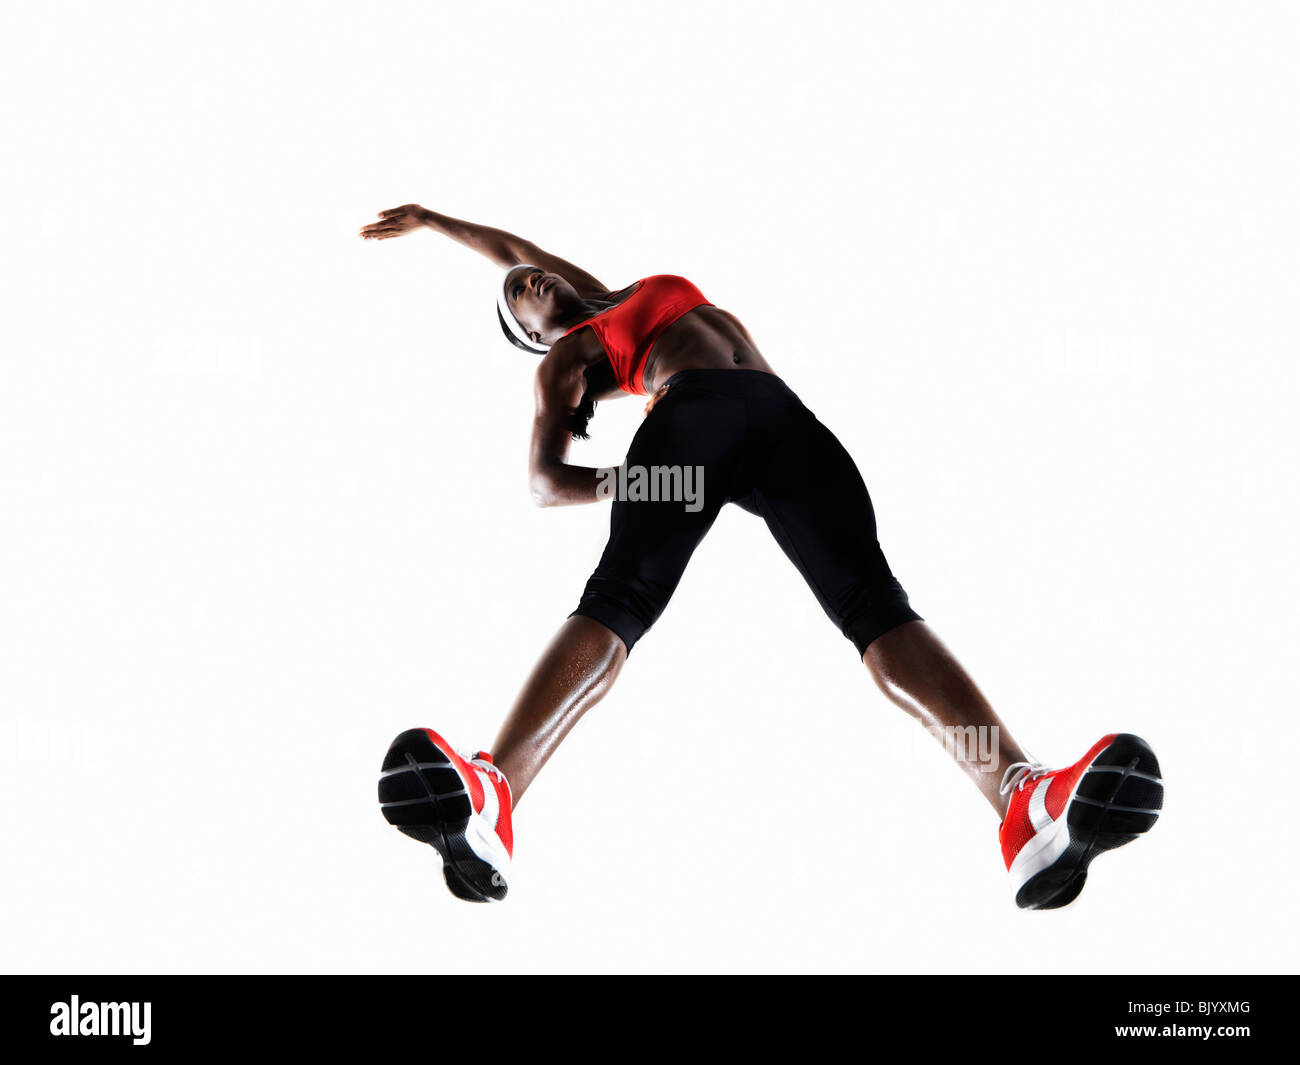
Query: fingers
393	223
381	230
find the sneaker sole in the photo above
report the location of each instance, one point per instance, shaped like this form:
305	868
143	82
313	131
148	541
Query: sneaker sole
1118	798
422	795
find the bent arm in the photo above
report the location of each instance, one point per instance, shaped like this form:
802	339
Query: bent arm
551	478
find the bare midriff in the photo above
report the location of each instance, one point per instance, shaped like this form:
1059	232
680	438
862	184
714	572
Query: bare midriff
705	338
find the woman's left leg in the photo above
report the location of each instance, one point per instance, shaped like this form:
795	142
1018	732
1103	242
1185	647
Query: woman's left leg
1055	822
918	673
810	493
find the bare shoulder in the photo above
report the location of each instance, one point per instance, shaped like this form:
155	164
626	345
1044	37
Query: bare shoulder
561	369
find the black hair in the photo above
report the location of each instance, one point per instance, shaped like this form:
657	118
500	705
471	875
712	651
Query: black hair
510	336
600	379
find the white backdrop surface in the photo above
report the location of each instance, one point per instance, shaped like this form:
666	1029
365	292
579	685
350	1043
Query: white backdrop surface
265	504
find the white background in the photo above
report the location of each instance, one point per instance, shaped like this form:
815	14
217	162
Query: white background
264	484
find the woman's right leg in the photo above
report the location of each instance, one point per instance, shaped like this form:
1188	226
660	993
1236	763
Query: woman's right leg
462	807
573	675
650	543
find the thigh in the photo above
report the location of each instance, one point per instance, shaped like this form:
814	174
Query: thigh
687	450
816	504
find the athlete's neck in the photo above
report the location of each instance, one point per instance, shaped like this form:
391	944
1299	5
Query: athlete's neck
580	312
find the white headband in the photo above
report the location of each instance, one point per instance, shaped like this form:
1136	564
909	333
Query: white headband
508	316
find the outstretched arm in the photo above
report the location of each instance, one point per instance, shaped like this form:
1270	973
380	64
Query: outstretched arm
553	481
504	249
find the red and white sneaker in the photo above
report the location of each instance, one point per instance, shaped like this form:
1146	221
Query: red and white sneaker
460	806
1059	820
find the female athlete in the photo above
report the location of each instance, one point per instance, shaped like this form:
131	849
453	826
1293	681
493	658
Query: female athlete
720	427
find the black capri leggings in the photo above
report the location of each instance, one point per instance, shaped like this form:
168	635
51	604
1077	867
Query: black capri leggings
746	439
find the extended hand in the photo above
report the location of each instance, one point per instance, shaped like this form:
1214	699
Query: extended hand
395	221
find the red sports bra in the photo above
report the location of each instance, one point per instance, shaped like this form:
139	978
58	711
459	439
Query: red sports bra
628	330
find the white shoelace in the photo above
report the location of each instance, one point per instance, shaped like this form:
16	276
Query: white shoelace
487	767
1019	774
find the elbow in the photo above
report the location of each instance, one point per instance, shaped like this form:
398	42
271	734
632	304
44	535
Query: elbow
542	489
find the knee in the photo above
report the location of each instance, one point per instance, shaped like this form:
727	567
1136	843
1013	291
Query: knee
627	606
601	652
894	657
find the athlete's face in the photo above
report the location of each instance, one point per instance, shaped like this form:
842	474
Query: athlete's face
537	298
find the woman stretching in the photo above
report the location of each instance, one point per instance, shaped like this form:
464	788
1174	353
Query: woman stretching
720	427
